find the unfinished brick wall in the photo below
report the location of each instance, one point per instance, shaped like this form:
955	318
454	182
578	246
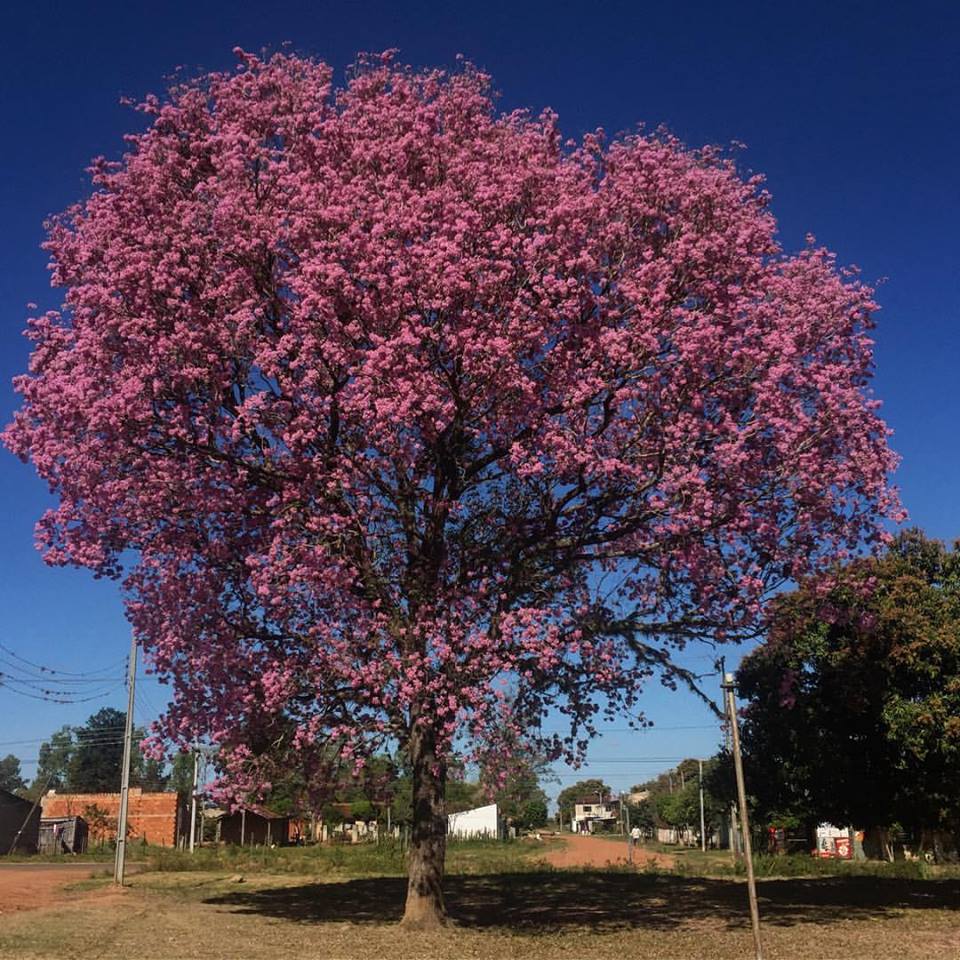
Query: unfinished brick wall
150	816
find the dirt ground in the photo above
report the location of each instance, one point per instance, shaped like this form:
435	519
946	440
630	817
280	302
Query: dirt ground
549	915
32	886
587	851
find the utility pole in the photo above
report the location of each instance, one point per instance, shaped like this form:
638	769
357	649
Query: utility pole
626	813
203	812
193	799
703	824
731	705
119	862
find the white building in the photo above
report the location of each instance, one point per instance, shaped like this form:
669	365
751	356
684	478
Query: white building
478	822
589	813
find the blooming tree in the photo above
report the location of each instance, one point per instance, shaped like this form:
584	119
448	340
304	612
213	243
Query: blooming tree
401	418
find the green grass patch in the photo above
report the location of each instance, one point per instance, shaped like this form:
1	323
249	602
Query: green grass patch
385	859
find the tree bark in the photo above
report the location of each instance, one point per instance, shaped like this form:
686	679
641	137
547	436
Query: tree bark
425	908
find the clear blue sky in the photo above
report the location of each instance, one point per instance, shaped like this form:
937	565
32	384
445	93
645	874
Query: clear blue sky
852	110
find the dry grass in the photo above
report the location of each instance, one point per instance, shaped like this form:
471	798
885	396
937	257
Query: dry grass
530	914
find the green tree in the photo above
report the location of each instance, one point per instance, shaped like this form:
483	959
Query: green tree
180	778
53	764
853	703
145	772
681	809
98	754
641	814
533	814
10	778
362	810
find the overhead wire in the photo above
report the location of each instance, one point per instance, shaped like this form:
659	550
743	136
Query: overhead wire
43	668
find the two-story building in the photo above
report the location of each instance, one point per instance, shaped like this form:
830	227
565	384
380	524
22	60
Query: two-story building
589	813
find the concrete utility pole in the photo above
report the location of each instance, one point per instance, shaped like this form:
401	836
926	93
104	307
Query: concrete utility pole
193	800
731	705
119	862
626	813
203	812
703	825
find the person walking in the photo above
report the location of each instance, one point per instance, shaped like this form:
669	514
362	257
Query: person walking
634	840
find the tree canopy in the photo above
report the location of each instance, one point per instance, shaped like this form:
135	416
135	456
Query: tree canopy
853	704
413	418
10	776
89	758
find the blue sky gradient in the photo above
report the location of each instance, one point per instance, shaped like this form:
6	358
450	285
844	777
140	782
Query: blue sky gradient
852	110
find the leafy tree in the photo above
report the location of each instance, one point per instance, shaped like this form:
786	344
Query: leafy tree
89	759
10	778
363	810
592	788
853	704
148	773
100	823
681	809
180	778
641	815
377	390
533	814
53	763
97	756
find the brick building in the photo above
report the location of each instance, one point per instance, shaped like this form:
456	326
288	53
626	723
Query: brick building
154	817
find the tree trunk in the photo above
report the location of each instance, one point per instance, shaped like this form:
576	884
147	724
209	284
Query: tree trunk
425	908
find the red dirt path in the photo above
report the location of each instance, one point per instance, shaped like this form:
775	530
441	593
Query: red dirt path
586	851
27	886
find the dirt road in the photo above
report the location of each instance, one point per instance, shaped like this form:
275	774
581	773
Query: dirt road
587	851
27	886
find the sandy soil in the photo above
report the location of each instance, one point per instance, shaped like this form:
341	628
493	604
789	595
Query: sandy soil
29	886
586	851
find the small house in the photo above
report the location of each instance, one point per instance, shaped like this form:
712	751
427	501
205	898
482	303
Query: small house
63	835
253	825
19	824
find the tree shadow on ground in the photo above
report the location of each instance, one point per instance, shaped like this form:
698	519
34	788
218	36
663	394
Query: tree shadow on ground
602	901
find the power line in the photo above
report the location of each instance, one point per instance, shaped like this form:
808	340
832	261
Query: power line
52	691
56	670
653	728
55	699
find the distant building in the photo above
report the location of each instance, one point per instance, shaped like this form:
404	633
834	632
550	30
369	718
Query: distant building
478	822
19	824
592	812
155	818
253	825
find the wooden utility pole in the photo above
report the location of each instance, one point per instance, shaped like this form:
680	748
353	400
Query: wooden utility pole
119	861
731	705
